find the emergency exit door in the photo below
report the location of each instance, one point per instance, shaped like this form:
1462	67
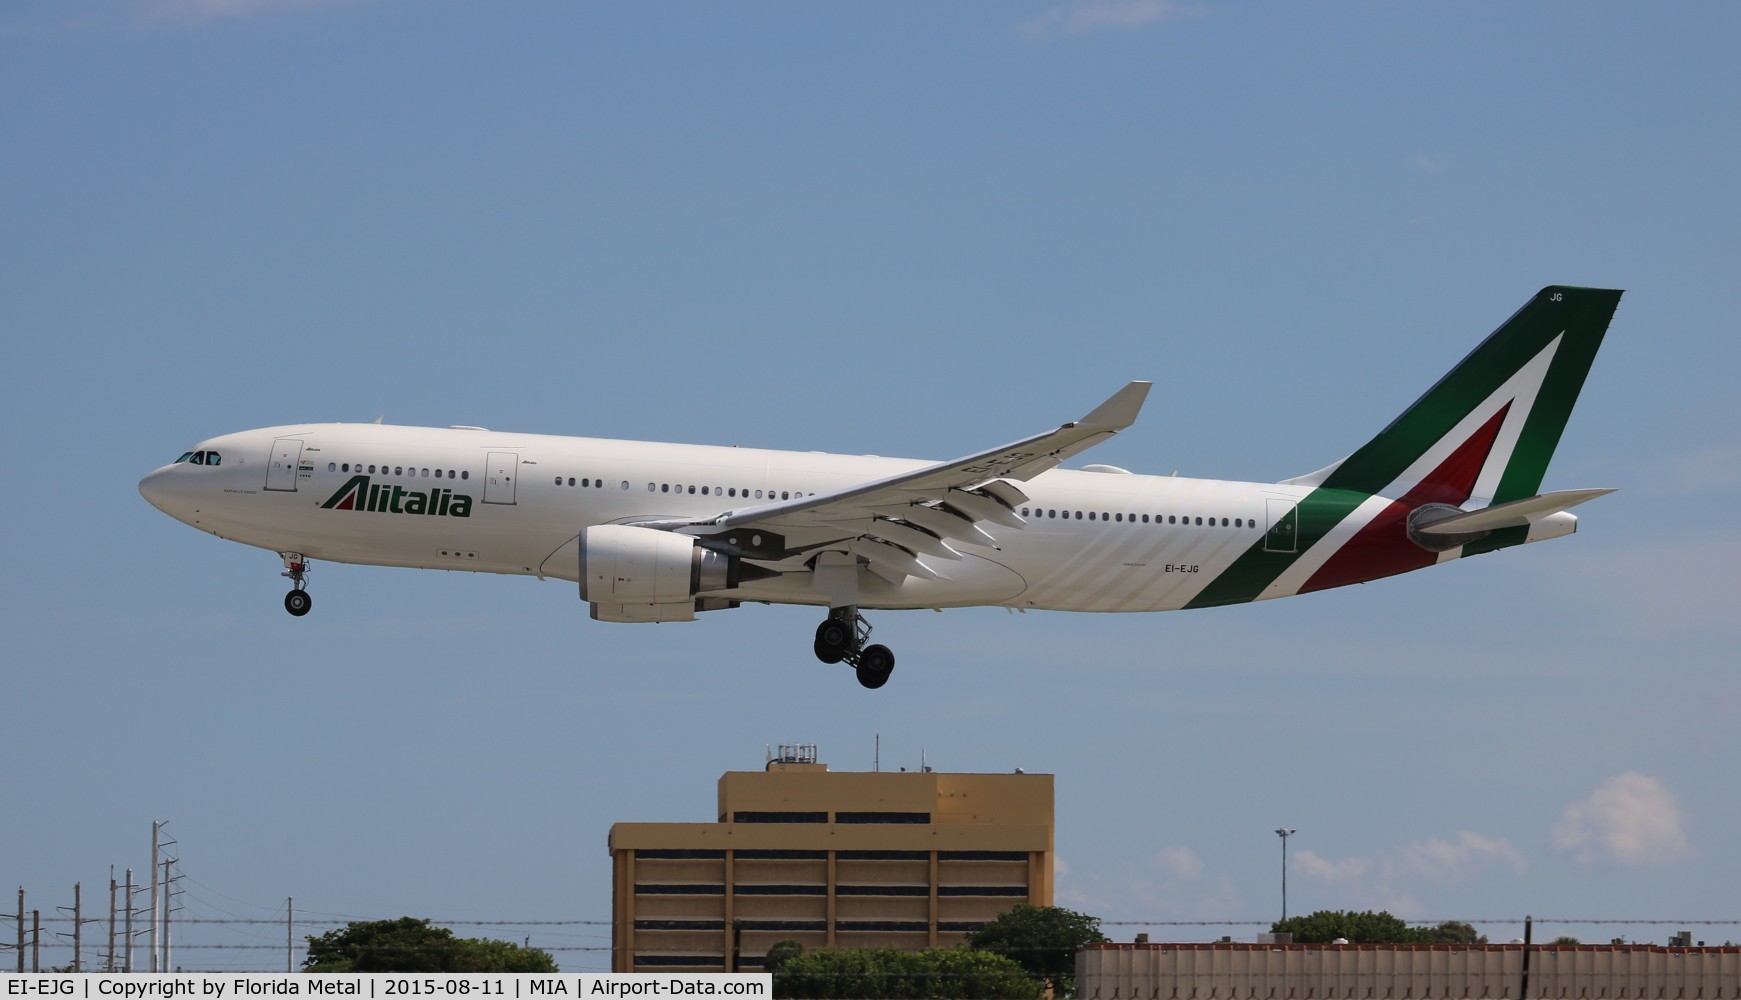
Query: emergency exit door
1284	526
499	476
281	464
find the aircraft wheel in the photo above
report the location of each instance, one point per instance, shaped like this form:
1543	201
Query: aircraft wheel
297	602
875	664
833	638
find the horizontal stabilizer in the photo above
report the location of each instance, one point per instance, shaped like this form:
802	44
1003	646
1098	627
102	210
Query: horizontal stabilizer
1514	514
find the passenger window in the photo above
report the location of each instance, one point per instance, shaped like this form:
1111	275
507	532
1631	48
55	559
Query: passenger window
1224	522
465	475
398	470
583	482
691	491
664	487
649	487
625	484
332	467
704	491
559	480
1199	522
426	473
1078	515
345	467
1091	515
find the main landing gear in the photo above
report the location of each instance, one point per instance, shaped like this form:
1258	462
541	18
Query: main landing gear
297	602
841	636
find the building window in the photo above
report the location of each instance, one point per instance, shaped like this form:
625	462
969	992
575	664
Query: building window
779	817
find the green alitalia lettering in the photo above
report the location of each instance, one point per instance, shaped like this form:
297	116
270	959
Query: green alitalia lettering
358	493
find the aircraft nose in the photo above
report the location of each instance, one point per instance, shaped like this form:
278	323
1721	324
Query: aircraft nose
155	489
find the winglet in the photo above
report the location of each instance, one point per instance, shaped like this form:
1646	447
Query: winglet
1119	411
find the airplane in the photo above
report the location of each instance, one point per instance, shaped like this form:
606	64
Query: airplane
659	532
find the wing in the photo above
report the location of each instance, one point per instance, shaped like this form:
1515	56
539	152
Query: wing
898	522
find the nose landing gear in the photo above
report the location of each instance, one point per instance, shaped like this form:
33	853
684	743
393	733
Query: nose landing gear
297	602
842	635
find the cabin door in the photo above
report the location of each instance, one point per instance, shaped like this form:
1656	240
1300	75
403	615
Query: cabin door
1284	526
499	477
282	463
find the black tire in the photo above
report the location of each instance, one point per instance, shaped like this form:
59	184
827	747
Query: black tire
832	638
875	664
297	602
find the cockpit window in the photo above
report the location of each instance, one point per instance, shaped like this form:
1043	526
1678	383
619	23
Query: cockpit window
213	458
185	456
199	458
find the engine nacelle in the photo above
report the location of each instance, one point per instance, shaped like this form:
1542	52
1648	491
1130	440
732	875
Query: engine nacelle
624	565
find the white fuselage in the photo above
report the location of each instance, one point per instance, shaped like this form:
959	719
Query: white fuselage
487	501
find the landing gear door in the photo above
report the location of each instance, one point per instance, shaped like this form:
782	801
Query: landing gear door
1284	526
281	464
499	477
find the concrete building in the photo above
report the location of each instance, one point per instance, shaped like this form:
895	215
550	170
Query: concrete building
1230	971
829	859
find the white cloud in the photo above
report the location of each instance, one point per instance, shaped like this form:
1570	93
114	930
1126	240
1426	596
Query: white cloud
1631	819
1428	163
1060	867
211	10
1332	871
1444	859
1180	862
1082	16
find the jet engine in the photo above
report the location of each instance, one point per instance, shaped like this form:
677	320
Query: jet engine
643	574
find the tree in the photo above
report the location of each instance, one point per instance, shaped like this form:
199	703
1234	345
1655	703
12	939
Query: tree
867	974
1041	939
410	944
1367	927
1449	932
779	953
1364	927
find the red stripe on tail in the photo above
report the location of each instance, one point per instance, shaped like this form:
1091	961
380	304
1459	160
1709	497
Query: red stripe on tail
1382	548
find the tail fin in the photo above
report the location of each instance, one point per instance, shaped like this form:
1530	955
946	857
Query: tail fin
1489	427
1480	438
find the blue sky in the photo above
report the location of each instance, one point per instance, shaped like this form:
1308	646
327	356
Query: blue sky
898	229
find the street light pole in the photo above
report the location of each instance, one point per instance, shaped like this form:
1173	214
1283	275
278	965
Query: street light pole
1285	833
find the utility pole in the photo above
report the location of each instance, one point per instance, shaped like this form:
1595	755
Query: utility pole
35	940
127	945
1285	833
153	935
78	927
21	930
109	963
289	933
168	904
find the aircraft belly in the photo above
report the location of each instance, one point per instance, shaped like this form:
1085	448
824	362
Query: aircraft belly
1122	570
971	581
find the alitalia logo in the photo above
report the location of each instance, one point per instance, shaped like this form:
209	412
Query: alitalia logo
380	498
